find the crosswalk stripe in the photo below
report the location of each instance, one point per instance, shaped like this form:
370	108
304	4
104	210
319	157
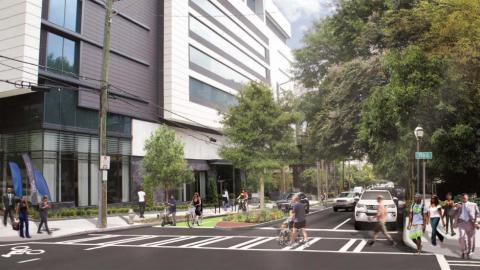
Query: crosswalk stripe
200	241
213	241
360	246
464	265
167	241
246	242
347	245
257	243
81	240
468	262
112	243
309	243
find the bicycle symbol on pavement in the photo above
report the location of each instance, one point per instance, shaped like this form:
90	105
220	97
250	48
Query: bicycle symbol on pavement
21	250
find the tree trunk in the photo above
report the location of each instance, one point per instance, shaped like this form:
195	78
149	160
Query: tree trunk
262	191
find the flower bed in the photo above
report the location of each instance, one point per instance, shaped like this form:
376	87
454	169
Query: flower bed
255	217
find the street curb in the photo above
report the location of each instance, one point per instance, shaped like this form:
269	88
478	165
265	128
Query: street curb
269	223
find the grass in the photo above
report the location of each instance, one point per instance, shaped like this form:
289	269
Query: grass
207	223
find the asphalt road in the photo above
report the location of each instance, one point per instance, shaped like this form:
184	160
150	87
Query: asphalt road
334	244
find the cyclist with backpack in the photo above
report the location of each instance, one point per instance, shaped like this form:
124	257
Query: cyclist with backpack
417	222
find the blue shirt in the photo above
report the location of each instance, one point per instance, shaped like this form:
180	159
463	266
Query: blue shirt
299	211
173	205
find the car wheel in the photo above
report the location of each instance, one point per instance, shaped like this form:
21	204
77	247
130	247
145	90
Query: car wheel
335	209
358	226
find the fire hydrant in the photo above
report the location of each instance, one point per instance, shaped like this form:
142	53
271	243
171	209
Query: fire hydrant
131	215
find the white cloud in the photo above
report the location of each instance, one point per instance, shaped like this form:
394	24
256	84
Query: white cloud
297	9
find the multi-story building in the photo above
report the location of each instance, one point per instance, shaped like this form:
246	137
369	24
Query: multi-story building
174	62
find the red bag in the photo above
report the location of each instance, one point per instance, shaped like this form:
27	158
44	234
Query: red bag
15	225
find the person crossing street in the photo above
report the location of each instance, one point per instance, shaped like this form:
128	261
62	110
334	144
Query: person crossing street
8	206
380	227
417	221
465	218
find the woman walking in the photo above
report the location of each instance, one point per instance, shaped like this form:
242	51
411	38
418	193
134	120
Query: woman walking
197	203
22	212
435	216
448	206
43	208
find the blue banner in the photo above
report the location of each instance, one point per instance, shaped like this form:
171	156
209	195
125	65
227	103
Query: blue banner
42	186
31	178
16	178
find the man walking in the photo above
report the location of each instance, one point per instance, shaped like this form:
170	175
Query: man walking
141	202
466	216
417	222
299	220
172	209
380	226
225	200
8	206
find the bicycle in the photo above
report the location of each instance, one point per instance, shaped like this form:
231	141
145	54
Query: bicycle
242	205
284	237
192	218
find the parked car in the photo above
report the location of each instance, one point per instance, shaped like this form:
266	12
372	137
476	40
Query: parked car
285	204
367	208
346	201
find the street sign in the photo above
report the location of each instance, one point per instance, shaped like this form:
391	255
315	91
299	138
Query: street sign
423	155
105	163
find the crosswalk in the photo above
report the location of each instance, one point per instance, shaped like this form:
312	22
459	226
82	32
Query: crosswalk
463	264
229	242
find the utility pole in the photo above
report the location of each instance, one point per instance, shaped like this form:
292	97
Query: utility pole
102	191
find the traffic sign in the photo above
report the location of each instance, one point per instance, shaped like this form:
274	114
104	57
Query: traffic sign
423	155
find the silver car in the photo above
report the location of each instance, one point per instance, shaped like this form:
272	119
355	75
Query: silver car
346	201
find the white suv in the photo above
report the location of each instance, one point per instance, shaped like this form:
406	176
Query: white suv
367	207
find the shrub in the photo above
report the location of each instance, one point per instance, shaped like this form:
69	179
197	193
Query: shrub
259	216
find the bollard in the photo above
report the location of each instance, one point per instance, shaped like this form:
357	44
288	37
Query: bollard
131	215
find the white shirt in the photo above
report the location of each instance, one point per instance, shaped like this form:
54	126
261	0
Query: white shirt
465	215
141	196
434	211
225	194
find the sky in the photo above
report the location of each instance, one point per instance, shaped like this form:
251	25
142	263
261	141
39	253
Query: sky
302	13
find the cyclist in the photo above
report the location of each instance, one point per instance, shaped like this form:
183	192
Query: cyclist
242	199
197	203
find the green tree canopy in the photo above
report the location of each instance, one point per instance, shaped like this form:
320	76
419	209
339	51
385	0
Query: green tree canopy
164	163
259	133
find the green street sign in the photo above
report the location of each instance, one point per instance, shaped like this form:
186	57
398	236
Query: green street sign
423	155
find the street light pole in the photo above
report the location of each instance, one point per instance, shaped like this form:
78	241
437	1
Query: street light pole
424	186
418	167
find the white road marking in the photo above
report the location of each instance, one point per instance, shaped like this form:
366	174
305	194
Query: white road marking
88	239
246	243
347	245
465	265
341	224
442	262
469	262
309	243
360	246
212	242
112	243
201	241
167	241
321	230
257	243
31	260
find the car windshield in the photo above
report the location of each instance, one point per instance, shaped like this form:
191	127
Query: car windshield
346	195
372	195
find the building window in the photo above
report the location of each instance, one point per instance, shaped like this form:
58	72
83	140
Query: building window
65	13
62	54
203	60
209	96
252	4
215	39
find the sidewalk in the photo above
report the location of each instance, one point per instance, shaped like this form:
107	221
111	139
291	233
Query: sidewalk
68	227
450	246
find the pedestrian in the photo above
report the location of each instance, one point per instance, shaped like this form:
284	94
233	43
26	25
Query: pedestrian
448	206
380	226
172	209
298	217
417	222
466	214
43	209
435	215
22	212
8	206
141	202
225	199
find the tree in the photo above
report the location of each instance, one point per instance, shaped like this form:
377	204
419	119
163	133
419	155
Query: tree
164	162
259	133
